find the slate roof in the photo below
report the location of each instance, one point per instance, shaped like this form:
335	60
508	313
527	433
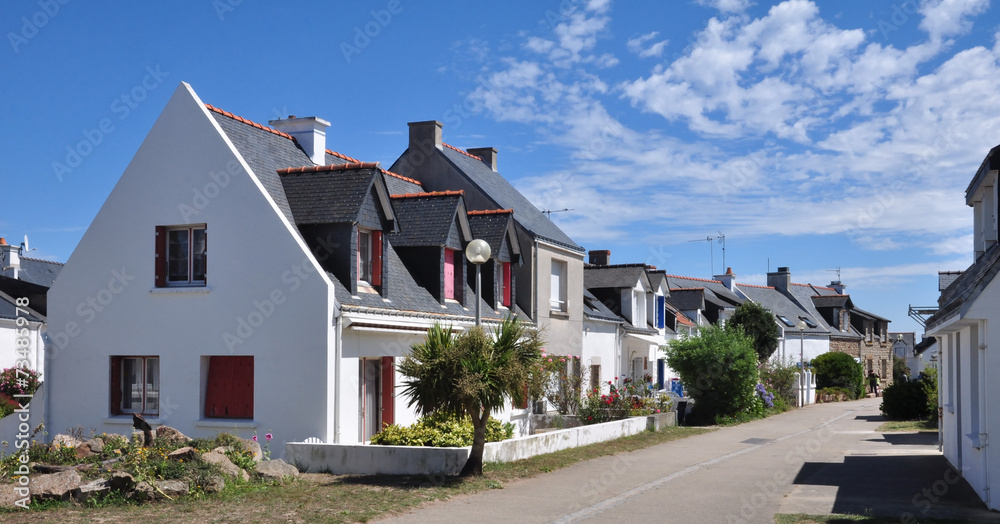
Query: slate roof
832	301
10	310
595	309
716	291
492	227
399	184
803	295
924	345
657	277
960	294
687	299
426	219
505	196
39	272
779	304
328	197
616	276
872	316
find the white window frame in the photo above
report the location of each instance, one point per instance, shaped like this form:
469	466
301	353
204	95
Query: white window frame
558	286
365	256
190	280
150	386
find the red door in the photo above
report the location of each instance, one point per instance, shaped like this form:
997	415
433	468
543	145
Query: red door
449	273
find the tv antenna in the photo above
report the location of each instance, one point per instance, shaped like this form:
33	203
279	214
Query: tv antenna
711	251
837	270
548	212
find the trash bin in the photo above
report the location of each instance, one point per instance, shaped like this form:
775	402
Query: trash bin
681	410
677	387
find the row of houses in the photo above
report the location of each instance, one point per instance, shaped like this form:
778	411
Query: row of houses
324	270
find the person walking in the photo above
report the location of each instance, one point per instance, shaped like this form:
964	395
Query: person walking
873	382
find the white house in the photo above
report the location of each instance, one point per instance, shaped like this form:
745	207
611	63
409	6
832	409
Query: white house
965	327
322	271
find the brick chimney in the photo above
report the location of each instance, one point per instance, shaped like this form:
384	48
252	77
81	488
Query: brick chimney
488	154
838	286
600	258
728	279
425	136
780	279
309	132
10	259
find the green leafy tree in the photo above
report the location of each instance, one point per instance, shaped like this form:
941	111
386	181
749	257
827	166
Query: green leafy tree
836	369
758	322
719	368
471	374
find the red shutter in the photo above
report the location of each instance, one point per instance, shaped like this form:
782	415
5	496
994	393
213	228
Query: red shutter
388	391
506	284
229	392
358	251
161	257
116	385
449	273
376	258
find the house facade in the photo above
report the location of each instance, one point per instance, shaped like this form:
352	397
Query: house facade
964	327
321	272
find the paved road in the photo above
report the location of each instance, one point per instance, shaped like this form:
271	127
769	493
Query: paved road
821	459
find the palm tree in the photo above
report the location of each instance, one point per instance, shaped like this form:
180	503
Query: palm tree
471	374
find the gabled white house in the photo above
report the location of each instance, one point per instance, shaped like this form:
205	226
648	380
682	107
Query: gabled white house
965	327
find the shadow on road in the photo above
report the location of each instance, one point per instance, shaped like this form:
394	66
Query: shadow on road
925	438
921	486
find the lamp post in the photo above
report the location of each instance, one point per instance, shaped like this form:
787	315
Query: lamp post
801	326
478	252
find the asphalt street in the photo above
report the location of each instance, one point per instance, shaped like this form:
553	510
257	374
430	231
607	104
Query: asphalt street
822	459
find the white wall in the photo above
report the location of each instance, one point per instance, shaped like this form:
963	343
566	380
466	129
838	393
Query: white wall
253	260
790	348
8	337
600	345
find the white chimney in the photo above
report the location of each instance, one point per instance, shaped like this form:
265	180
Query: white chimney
310	132
728	279
10	261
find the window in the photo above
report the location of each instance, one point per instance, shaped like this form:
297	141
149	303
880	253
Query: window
505	290
808	321
370	257
181	256
557	300
449	273
135	385
784	320
229	389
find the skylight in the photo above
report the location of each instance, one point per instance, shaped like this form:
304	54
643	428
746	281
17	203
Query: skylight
784	320
808	321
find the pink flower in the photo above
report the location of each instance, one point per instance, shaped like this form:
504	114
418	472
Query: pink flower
550	360
254	438
268	436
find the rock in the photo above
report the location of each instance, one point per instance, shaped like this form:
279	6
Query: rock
143	492
55	486
214	484
276	469
254	447
84	451
46	468
187	453
173	488
121	481
92	489
225	465
96	445
222	450
171	435
9	496
65	441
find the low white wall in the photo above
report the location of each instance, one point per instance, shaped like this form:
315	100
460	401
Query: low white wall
342	459
9	425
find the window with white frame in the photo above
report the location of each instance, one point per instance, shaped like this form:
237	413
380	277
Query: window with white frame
181	255
370	256
557	296
135	385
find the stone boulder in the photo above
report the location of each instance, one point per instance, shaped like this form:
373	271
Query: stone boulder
65	441
121	481
276	469
187	453
171	435
92	489
254	447
55	486
214	484
9	496
171	488
89	448
225	465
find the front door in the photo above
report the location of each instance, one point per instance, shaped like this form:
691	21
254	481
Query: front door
369	413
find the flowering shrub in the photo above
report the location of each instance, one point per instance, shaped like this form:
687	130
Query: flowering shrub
630	399
19	381
766	396
441	430
7	405
558	379
779	378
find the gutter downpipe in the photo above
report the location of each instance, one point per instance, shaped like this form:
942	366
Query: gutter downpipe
337	351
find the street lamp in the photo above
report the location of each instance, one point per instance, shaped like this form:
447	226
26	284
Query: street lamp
801	326
478	252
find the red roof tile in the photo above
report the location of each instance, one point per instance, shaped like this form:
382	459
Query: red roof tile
343	156
684	320
693	278
491	212
401	177
810	285
466	153
210	107
754	285
338	167
430	194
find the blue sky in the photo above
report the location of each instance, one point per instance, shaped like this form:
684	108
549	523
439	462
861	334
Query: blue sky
814	135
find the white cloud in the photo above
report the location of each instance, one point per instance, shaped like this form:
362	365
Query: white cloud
638	45
945	18
727	6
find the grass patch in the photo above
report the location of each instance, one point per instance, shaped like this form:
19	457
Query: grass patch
907	425
342	498
799	518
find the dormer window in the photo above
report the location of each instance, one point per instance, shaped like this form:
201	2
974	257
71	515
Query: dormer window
449	274
370	256
505	284
784	320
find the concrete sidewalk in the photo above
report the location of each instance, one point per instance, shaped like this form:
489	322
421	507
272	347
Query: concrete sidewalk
822	459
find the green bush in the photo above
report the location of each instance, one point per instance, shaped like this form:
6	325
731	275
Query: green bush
836	369
441	430
719	368
911	400
779	378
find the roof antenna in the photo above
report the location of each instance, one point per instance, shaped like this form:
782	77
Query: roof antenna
548	212
24	246
711	252
838	272
722	240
